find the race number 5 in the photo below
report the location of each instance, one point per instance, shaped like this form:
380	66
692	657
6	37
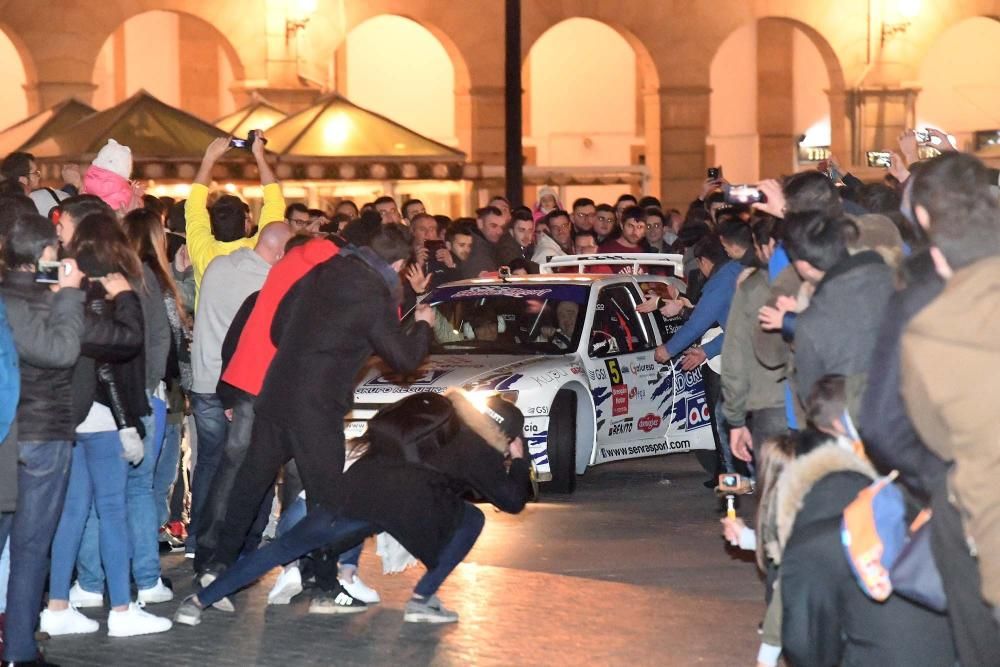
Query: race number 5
614	373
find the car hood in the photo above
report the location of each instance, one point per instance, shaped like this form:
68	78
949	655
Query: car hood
442	371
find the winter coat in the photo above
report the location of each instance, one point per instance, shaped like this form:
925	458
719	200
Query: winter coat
836	333
508	250
826	618
482	258
951	378
114	189
711	310
546	248
225	286
156	327
10	391
420	504
746	384
47	328
111	369
890	439
325	329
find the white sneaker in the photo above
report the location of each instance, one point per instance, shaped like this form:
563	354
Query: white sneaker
66	622
288	585
225	604
134	621
156	594
359	590
82	599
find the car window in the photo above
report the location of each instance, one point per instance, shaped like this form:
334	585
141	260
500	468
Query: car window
508	319
617	328
667	325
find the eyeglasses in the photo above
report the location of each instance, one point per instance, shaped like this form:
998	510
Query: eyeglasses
605	218
584	215
37	173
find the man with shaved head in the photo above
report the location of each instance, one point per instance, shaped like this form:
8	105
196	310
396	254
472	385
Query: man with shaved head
228	281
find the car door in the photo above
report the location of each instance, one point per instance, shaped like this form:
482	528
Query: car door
619	361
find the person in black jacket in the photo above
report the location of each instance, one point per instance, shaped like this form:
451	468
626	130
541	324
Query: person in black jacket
422	455
47	326
326	328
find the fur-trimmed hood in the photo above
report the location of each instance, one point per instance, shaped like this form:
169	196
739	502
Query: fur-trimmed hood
473	417
804	473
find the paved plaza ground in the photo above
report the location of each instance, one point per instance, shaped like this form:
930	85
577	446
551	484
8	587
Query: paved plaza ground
630	570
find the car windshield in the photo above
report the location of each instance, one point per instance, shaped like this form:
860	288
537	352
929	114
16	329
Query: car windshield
508	319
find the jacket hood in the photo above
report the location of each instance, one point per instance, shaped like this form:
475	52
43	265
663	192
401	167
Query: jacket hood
804	473
855	272
479	423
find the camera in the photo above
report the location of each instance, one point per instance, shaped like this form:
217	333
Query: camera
504	272
47	272
247	143
714	173
433	245
923	136
743	194
879	158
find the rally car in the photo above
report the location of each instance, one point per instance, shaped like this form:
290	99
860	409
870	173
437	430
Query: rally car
574	355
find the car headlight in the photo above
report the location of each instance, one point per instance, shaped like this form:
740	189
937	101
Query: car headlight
479	397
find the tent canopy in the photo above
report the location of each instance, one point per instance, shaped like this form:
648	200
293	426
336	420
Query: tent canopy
258	115
43	125
335	128
152	129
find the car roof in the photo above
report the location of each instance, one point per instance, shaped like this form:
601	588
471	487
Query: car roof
547	279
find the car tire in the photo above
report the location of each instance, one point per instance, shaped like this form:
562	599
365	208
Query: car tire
562	443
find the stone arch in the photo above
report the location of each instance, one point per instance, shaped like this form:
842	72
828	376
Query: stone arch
958	91
195	77
646	93
27	66
836	92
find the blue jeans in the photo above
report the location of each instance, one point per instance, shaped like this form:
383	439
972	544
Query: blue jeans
211	423
294	513
42	473
166	471
96	481
143	530
316	530
4	565
454	552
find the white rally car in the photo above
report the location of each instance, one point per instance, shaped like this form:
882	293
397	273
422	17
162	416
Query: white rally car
574	355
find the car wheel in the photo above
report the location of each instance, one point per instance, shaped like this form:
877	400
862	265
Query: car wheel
562	443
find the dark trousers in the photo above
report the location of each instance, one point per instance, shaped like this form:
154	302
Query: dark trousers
42	475
211	423
320	458
213	513
319	529
711	460
976	633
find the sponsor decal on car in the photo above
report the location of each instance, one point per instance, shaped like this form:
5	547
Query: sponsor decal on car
619	400
499	290
614	371
649	423
550	376
597	375
620	428
641	368
637	393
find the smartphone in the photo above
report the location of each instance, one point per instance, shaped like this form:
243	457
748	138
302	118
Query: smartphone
743	194
247	143
47	272
923	136
433	246
714	173
879	158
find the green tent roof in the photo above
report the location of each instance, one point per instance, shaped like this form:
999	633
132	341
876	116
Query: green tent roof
154	130
258	115
335	127
43	125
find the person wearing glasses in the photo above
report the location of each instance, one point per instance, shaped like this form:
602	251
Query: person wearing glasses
20	175
605	223
633	233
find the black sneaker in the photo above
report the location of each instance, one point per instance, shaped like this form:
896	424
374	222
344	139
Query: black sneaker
336	602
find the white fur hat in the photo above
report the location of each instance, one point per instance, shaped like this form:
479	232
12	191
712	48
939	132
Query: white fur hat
115	158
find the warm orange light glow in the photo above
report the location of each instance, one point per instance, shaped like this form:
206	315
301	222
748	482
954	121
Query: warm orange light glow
908	9
301	10
337	129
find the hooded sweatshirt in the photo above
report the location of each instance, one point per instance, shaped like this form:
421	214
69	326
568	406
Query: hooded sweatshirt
951	378
227	282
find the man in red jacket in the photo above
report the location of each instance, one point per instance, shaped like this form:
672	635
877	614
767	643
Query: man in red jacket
242	380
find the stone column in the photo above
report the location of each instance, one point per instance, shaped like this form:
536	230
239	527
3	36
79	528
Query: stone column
675	142
46	94
479	123
775	99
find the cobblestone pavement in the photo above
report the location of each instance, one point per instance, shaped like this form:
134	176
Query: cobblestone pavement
629	570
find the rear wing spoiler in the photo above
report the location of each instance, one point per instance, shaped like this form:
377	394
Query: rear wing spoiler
634	260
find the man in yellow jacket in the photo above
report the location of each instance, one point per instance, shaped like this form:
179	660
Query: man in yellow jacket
223	229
